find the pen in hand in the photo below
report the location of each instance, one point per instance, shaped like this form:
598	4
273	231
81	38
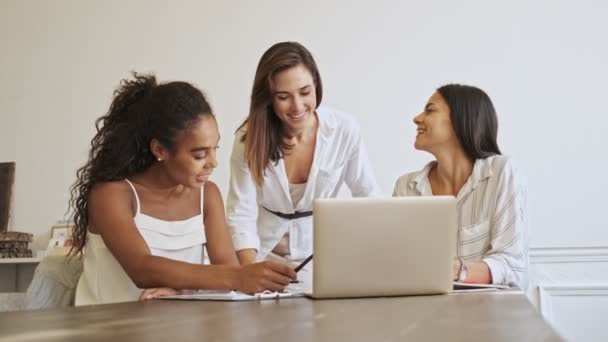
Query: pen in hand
300	266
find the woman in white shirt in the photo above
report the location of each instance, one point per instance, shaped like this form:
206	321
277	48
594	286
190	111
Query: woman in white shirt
459	127
289	151
144	206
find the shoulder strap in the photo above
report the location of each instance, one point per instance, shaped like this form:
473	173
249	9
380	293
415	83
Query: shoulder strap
135	194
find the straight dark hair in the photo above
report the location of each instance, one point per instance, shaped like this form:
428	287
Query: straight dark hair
473	118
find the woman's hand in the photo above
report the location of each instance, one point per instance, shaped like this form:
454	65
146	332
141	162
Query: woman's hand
456	269
267	275
156	292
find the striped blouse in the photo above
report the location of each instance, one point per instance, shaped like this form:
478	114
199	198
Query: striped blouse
492	218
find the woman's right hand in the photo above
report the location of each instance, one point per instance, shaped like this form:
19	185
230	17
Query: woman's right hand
261	276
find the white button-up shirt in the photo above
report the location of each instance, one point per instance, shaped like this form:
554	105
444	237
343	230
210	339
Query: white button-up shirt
492	219
339	157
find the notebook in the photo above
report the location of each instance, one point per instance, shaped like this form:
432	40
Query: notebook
466	287
232	295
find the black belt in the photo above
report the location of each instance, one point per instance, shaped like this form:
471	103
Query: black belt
296	215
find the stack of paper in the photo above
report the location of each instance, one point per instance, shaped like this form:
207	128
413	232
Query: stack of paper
232	295
466	287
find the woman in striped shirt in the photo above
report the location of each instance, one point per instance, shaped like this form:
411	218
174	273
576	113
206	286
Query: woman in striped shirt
458	127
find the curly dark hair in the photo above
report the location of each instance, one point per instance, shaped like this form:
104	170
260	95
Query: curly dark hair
141	110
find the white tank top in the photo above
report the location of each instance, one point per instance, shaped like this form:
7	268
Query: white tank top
103	279
297	192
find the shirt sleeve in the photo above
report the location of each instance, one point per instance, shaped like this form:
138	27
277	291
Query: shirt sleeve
508	255
359	176
241	202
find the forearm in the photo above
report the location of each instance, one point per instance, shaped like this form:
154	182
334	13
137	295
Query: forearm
224	258
246	256
157	271
478	273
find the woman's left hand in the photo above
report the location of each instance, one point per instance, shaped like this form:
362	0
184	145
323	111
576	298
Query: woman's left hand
157	292
456	269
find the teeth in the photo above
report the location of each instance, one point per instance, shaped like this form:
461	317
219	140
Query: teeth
297	115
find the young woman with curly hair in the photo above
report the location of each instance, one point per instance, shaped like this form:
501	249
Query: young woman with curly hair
144	207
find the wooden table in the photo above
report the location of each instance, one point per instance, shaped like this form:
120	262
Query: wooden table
458	317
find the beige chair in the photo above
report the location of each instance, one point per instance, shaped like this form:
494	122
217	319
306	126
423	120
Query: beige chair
54	283
53	286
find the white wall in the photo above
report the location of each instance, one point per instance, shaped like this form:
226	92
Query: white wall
542	62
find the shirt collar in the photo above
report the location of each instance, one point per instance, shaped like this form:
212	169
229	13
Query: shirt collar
422	177
482	170
327	122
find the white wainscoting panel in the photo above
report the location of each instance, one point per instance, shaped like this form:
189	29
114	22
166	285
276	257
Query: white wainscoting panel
569	286
545	255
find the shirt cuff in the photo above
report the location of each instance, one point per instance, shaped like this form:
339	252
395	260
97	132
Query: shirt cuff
496	270
245	240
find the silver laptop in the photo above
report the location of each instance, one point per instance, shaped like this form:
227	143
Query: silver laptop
383	247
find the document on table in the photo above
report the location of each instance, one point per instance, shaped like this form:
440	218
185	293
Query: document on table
232	295
465	287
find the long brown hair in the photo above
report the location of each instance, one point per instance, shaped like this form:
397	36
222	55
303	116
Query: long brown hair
263	131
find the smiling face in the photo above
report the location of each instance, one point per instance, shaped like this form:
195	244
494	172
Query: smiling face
434	126
194	158
293	98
